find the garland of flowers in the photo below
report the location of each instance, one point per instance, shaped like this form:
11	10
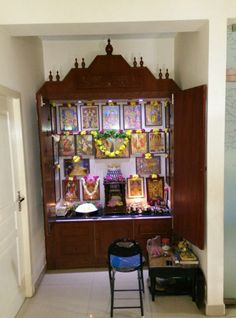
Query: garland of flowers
95	187
100	136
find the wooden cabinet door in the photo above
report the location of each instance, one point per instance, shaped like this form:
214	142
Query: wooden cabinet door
46	149
146	229
189	164
105	233
73	244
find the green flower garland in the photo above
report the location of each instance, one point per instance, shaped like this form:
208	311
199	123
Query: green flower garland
100	136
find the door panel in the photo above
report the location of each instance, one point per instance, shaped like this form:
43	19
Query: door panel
11	287
189	165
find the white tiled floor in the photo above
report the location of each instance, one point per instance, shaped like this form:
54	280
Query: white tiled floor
85	294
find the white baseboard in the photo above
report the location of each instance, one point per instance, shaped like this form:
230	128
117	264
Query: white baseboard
215	310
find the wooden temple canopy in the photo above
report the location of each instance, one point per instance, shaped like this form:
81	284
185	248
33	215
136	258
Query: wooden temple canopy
108	77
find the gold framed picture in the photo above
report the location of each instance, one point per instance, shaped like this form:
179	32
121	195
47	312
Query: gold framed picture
78	169
157	142
110	117
67	145
146	167
153	114
132	116
138	143
89	117
68	118
71	190
135	187
155	188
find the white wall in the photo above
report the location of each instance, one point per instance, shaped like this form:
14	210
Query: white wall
21	67
156	53
230	173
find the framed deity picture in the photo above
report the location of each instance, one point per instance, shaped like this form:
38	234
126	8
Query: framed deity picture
84	145
78	169
135	188
138	143
110	117
54	119
68	118
67	145
132	117
89	117
71	190
155	189
112	144
153	114
157	142
91	189
146	167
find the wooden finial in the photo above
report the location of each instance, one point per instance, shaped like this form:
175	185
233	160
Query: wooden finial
167	74
135	62
58	77
160	74
76	63
141	61
109	48
83	63
50	76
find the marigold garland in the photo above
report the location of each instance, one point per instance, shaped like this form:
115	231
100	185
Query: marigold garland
100	136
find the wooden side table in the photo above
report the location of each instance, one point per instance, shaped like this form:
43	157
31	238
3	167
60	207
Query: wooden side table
164	267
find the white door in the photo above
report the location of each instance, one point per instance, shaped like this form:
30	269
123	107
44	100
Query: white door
12	286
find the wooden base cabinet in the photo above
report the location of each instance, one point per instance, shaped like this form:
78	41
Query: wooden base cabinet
73	244
85	244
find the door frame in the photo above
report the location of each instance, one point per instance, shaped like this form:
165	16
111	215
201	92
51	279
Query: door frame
26	257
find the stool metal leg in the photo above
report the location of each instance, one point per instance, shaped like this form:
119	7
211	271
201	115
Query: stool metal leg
140	287
112	281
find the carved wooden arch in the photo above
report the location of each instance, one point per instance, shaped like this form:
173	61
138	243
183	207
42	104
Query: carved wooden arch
108	77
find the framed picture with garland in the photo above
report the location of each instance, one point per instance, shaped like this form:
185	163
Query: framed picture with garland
112	145
90	188
132	115
68	118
